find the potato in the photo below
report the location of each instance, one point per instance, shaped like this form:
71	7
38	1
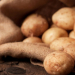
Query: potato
58	63
63	18
72	34
52	34
34	25
33	40
61	43
17	9
70	49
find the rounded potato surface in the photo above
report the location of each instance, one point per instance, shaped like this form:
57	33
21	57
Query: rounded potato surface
72	34
33	40
58	63
34	25
64	18
52	34
61	43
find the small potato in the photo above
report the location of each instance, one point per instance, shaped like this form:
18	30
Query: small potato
52	34
64	18
61	43
70	49
33	40
58	63
34	25
72	34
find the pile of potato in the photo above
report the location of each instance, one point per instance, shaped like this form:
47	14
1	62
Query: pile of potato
54	45
60	37
63	26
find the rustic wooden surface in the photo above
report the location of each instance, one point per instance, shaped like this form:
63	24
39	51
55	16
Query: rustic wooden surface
10	66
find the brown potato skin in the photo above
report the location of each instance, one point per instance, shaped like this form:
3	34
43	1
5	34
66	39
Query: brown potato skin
70	49
33	40
34	25
60	43
58	63
53	33
72	34
64	18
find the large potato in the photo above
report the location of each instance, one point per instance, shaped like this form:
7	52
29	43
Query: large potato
34	25
52	34
58	63
33	40
61	43
64	18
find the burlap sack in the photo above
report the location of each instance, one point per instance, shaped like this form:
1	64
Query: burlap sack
12	13
17	9
68	2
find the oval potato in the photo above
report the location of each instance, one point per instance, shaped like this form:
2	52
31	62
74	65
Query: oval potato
61	43
58	63
52	34
34	25
64	18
